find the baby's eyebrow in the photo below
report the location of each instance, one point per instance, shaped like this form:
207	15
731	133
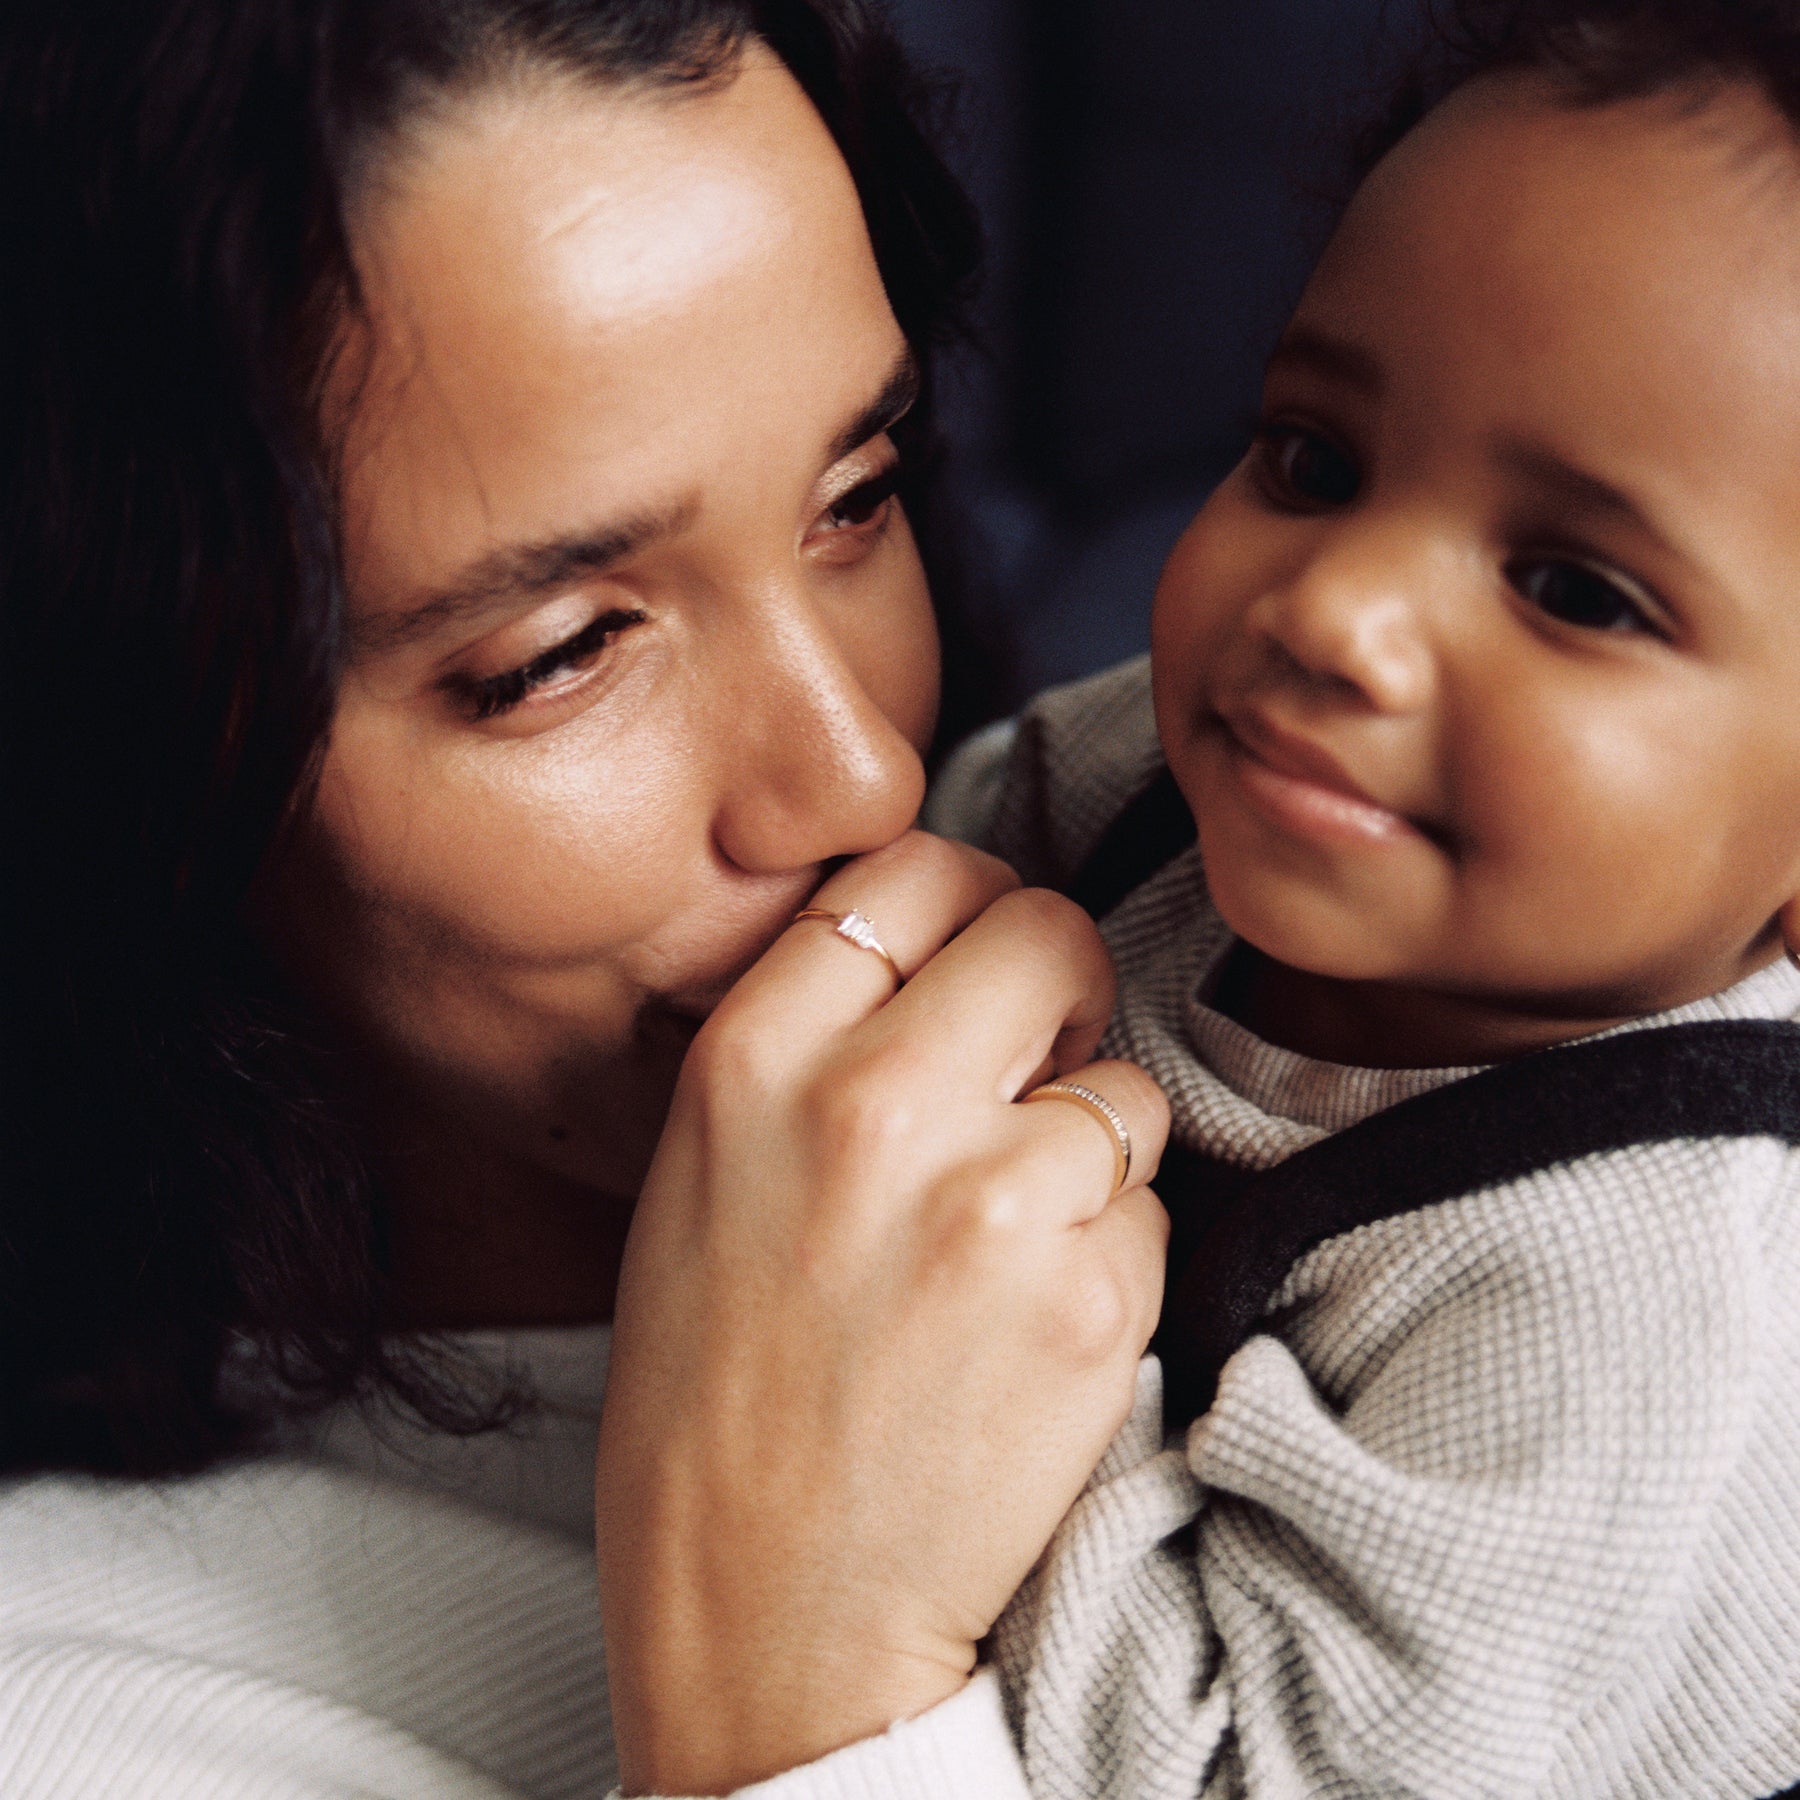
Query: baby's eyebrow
1336	359
1582	492
1576	487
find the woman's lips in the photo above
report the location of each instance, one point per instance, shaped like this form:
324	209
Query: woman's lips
1302	788
754	932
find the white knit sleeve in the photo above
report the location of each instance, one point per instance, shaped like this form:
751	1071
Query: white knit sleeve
960	1750
81	1718
1465	1521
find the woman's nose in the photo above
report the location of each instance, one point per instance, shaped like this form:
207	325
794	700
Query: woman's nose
1354	617
812	766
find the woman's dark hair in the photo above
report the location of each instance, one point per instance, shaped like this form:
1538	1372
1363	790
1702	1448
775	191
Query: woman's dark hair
176	1172
1599	52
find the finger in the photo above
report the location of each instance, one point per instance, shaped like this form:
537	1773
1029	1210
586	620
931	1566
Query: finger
923	889
916	893
1129	1240
988	1010
1078	1136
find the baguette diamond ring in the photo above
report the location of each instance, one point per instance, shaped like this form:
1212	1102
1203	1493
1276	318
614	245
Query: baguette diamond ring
854	928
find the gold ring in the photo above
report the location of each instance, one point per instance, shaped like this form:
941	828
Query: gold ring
1103	1110
854	928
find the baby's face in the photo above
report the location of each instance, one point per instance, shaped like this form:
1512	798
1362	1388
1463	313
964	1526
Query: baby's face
1482	671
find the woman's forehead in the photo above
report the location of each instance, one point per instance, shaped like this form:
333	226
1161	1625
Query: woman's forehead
616	198
589	299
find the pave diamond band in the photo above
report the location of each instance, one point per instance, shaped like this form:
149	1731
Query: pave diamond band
1103	1110
854	928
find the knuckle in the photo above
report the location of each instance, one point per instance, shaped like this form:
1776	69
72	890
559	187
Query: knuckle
1140	1088
997	1209
865	1112
1157	1229
950	867
983	1209
993	875
1052	919
734	1059
1097	1320
923	861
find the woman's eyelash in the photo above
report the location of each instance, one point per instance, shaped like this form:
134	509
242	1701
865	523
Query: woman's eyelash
866	499
489	696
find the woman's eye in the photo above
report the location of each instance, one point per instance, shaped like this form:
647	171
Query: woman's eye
1308	468
1574	594
864	504
487	697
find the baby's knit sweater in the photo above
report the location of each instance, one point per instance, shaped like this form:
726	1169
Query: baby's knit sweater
1503	1500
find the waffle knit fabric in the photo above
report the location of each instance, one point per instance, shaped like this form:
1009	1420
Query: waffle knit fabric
1505	1500
375	1612
1504	1497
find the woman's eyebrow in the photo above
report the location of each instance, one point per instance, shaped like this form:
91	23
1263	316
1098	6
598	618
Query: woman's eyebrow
515	573
896	399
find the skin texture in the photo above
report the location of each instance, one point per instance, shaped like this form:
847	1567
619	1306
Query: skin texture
877	1324
865	1288
590	311
1480	672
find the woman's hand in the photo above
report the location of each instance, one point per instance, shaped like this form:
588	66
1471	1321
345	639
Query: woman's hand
876	1325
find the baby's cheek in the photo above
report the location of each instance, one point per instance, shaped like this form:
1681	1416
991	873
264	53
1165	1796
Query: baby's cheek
1609	848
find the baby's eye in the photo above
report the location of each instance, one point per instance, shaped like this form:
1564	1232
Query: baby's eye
1305	468
1576	595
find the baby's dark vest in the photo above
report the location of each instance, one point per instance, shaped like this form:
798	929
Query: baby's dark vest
1235	1233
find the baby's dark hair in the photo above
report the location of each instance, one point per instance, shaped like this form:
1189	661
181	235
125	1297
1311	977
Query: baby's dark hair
1599	52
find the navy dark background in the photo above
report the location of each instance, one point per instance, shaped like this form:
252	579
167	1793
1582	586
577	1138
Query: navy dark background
1155	177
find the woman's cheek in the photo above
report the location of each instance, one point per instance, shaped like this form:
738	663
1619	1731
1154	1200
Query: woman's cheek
475	846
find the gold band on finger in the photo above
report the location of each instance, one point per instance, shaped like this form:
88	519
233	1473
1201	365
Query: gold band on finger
1103	1110
854	928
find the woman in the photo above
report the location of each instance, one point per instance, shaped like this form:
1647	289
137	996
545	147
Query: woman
461	606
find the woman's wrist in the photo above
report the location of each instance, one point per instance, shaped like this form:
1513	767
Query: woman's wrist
729	1721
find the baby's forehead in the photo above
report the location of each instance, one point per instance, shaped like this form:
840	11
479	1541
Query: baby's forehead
1719	164
1657	235
1616	285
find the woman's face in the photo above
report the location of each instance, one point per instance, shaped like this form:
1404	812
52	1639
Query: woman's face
640	636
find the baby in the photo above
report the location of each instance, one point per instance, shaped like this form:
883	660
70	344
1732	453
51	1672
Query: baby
1481	679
